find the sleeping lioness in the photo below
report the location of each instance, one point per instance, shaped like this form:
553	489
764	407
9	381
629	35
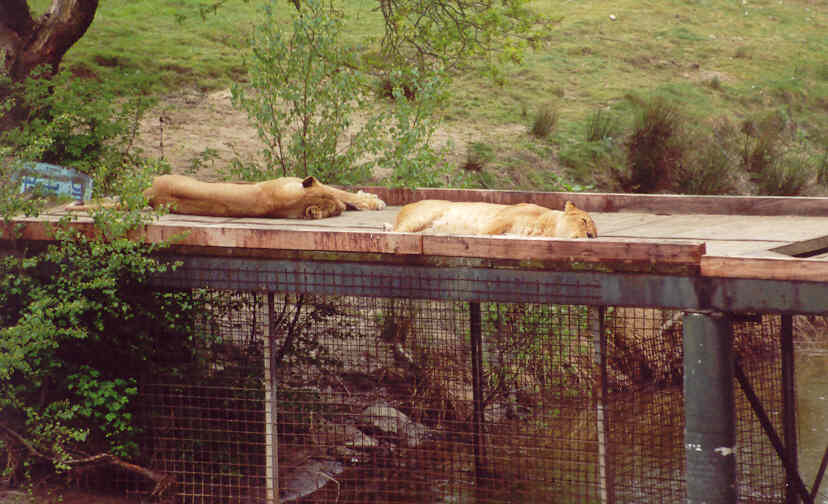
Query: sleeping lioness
286	197
525	219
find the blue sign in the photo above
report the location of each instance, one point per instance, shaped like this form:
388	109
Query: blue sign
55	179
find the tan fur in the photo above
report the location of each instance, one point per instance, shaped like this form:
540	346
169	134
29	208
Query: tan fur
525	219
286	197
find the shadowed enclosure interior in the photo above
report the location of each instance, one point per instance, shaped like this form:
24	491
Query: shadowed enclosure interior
375	402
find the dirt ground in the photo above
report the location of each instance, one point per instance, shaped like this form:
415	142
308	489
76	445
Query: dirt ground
183	126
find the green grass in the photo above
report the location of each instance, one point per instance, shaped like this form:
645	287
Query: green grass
715	58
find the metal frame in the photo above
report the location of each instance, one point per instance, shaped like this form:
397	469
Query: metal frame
471	283
711	300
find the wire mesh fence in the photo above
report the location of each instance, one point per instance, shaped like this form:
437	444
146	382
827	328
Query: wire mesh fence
328	398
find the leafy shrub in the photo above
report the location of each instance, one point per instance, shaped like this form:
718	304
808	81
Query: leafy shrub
78	334
544	122
77	123
386	89
405	148
79	331
309	102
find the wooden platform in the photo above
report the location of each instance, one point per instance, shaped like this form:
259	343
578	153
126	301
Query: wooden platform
737	237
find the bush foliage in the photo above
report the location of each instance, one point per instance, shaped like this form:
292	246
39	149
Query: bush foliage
79	330
310	101
667	151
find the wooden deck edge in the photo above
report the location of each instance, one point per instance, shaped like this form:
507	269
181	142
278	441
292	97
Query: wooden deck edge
616	202
227	236
605	250
766	268
224	236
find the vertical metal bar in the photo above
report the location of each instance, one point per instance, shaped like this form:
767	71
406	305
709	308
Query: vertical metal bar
475	329
820	473
709	433
765	422
271	434
789	408
599	339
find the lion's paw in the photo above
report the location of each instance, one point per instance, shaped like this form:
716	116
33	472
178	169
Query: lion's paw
367	201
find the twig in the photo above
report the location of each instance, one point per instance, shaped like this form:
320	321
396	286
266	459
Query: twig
162	481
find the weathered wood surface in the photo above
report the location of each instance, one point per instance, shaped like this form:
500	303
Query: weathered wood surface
746	246
363	232
806	270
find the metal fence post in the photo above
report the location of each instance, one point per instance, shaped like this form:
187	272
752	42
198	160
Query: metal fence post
789	407
709	432
597	323
271	434
475	330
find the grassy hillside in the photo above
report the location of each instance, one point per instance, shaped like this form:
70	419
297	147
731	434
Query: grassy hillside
715	61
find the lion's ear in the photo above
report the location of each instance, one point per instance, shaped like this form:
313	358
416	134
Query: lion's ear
309	181
569	206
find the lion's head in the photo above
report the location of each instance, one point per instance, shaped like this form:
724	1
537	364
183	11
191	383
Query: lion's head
572	223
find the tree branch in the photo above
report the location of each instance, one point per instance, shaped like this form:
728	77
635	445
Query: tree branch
163	482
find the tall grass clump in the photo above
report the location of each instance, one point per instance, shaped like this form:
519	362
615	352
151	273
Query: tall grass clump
544	122
602	126
654	148
664	152
710	161
775	155
478	155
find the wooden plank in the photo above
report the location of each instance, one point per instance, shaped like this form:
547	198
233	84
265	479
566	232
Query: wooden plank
813	248
258	237
765	268
734	248
573	250
611	202
249	236
624	224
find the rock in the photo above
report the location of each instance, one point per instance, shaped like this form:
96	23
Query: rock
308	478
388	420
328	433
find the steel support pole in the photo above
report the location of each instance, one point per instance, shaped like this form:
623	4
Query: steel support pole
475	330
271	433
599	340
789	408
709	432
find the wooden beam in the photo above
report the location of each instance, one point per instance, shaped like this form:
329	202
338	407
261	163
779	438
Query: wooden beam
765	268
265	237
612	202
224	235
610	250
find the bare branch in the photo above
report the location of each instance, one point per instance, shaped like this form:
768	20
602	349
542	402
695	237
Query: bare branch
163	482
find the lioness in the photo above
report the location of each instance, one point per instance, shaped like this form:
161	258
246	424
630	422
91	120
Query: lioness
286	197
525	219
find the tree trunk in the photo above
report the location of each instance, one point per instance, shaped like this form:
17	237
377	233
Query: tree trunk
30	42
